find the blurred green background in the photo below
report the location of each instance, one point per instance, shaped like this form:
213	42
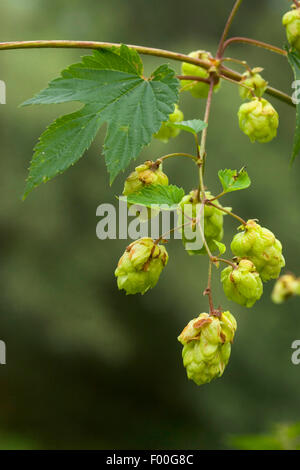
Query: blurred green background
88	367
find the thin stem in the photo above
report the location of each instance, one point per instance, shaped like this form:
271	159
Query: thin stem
227	27
239	84
171	155
226	261
227	212
208	290
253	42
204	136
218	196
141	49
162	237
194	78
237	61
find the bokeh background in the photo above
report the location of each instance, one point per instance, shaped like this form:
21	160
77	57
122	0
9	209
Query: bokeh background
88	367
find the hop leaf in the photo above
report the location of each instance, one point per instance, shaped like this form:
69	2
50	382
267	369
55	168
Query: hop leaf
259	245
140	266
206	344
258	120
242	284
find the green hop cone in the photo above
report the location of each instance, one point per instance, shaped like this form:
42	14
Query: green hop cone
243	284
258	120
140	266
254	81
213	220
145	175
285	287
291	21
197	89
167	130
206	344
259	245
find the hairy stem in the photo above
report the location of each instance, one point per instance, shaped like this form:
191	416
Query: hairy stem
171	155
226	261
204	136
253	42
141	49
227	27
208	290
194	78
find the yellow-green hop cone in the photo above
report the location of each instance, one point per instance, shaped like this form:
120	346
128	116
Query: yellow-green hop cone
258	120
285	287
243	285
198	89
291	21
140	266
144	175
259	245
213	220
167	131
206	344
254	81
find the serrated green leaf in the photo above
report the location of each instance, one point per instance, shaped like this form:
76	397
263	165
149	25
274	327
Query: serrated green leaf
158	195
111	86
221	247
294	61
194	125
233	180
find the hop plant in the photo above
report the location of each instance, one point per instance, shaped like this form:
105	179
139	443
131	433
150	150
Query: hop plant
242	284
258	120
206	344
285	287
167	130
198	89
213	220
291	21
259	245
140	266
144	175
254	81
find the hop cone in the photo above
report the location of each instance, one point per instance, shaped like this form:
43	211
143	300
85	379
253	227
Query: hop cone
258	120
198	89
291	21
213	220
243	284
255	81
145	175
206	344
140	266
286	286
259	245
166	131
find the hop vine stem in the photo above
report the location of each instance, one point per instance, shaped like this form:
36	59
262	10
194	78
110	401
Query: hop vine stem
227	27
67	44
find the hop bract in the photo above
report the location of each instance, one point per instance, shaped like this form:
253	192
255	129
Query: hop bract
285	287
254	81
258	120
206	344
291	21
197	89
259	245
243	284
140	266
213	220
167	130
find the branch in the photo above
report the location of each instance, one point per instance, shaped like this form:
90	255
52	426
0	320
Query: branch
227	27
141	49
253	42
